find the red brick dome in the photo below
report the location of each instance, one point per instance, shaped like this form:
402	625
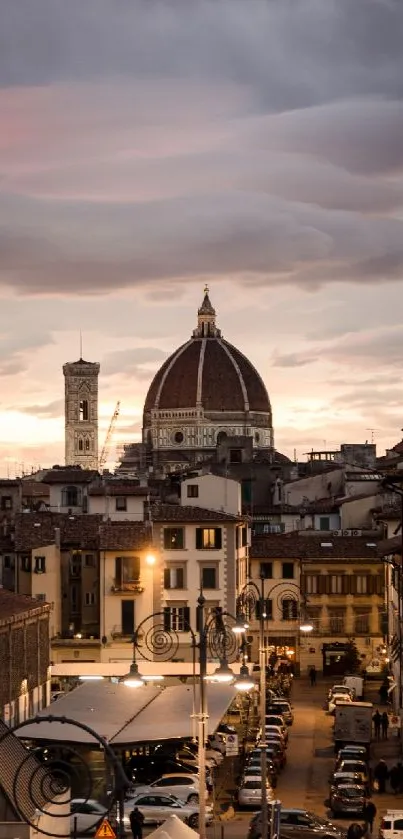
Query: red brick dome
208	373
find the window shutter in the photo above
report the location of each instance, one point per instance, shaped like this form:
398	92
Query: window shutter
186	618
371	584
118	570
199	538
269	609
179	578
258	610
353	584
218	538
167	619
345	584
167	578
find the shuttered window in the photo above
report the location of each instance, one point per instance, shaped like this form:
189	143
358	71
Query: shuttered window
208	538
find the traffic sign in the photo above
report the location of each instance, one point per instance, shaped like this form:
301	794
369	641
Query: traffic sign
105	831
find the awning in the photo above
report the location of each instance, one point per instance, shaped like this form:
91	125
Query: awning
126	716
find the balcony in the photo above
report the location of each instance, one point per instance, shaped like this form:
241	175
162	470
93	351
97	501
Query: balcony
80	639
127	587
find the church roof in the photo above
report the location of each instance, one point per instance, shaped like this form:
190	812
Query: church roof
209	373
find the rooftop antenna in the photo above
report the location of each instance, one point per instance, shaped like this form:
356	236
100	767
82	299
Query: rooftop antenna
81	345
373	432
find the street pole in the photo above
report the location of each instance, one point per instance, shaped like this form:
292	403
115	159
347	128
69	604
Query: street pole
263	754
202	717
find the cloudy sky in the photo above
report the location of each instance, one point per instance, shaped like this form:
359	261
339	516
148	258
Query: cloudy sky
149	147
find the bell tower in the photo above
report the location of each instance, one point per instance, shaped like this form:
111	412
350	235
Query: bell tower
81	413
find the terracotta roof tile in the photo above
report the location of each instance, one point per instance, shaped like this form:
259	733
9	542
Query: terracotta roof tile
12	605
390	546
178	512
72	475
293	546
125	489
124	536
35	530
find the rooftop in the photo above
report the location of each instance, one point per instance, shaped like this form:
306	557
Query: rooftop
15	605
312	546
176	512
124	536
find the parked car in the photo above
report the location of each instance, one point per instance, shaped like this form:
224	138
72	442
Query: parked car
276	757
217	742
144	769
86	815
357	766
285	709
276	720
254	768
250	793
391	826
345	689
184	787
275	737
352	752
340	778
347	799
299	824
157	808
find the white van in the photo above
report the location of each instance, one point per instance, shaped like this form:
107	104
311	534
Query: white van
355	683
391	826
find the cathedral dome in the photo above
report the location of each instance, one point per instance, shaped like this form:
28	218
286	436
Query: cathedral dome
209	384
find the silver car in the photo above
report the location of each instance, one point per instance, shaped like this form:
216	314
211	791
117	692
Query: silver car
184	787
87	814
157	808
250	793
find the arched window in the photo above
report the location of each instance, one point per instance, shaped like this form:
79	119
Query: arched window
87	445
84	410
80	445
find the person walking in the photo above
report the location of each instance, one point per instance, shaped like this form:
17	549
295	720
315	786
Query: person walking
369	814
312	675
385	725
136	823
376	719
381	775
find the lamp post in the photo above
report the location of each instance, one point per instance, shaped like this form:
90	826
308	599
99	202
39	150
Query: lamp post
215	634
249	597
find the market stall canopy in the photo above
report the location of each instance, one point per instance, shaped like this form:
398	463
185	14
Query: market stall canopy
173	828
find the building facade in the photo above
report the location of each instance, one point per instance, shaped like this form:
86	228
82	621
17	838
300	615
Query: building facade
24	657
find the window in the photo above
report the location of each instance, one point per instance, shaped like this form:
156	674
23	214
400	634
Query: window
361	584
209	577
174	576
289	609
89	598
80	445
84	410
244	541
362	621
176	618
336	584
7	563
26	563
89	561
235	455
75	565
121	504
266	570
311	582
127	617
288	571
174	538
40	565
324	523
208	538
127	569
41	598
267	609
87	445
337	621
71	496
193	491
6	502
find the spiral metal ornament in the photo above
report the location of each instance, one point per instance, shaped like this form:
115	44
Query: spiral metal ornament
247	601
221	640
156	642
46	779
288	594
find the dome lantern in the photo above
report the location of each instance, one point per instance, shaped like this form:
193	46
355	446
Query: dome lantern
206	327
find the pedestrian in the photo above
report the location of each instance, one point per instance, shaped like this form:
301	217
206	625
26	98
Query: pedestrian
355	831
369	814
381	774
376	719
383	692
394	777
312	675
385	725
136	823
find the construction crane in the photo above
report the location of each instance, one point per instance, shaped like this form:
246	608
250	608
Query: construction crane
104	452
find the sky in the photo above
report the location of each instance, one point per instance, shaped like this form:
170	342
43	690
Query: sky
148	148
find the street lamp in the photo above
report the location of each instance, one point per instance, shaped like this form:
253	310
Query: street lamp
216	634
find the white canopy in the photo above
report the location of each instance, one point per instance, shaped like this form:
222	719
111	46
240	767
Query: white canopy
173	828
